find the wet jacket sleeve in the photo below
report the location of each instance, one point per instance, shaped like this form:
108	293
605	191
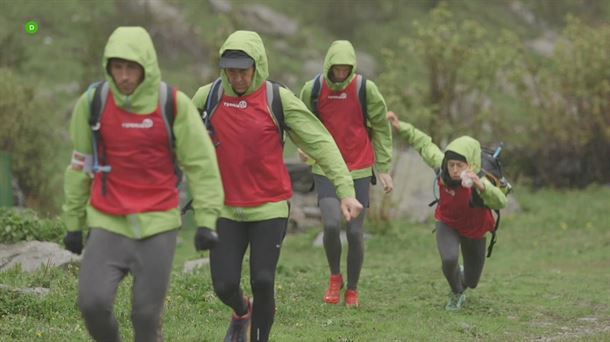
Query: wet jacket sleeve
196	156
423	144
493	197
381	132
77	183
310	135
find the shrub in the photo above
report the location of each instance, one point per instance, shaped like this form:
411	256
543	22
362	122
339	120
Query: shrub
25	225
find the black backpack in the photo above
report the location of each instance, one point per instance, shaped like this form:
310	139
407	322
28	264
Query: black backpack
491	168
97	105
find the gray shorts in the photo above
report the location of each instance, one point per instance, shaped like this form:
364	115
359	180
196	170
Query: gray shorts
325	188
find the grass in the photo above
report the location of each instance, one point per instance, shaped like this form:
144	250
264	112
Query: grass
548	280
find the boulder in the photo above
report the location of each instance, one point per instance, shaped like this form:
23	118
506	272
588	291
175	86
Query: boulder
32	255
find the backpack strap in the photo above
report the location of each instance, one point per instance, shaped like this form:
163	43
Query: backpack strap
167	103
316	89
493	234
97	104
209	107
212	101
361	87
277	109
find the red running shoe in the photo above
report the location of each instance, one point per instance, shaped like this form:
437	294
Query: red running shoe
333	294
351	298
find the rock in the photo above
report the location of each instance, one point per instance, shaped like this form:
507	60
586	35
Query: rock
220	6
263	19
366	64
33	255
192	265
38	291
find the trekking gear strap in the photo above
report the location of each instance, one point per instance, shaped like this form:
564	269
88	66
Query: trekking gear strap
493	234
277	110
96	109
167	103
315	94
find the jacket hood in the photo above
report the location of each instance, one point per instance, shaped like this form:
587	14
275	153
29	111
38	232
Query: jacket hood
252	44
468	147
340	52
134	44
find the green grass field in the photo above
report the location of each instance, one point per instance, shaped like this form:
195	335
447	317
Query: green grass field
548	280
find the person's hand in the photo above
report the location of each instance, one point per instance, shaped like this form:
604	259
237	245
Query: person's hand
476	181
73	241
351	208
205	239
393	120
386	181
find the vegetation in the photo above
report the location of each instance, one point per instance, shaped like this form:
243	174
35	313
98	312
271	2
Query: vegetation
547	280
25	225
457	67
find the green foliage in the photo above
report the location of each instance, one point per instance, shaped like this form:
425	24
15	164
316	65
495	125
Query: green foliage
568	104
534	287
27	134
462	67
25	225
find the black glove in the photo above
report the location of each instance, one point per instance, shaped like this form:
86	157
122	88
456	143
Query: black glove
205	238
73	241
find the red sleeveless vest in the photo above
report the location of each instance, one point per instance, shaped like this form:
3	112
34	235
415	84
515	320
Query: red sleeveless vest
250	151
341	113
453	210
142	177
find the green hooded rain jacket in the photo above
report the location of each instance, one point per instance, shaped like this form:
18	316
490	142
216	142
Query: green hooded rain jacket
305	130
194	150
341	52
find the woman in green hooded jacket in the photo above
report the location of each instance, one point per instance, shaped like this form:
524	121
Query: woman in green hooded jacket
461	224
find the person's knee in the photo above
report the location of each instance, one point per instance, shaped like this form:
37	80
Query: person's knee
262	282
146	315
449	261
225	289
94	304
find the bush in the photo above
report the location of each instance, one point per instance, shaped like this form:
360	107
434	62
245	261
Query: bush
25	225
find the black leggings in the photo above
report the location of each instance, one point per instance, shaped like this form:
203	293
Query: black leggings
265	240
449	242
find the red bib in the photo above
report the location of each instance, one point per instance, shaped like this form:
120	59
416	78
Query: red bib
142	177
250	151
453	209
341	113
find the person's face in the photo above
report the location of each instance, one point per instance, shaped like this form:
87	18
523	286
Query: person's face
240	79
455	168
339	73
127	75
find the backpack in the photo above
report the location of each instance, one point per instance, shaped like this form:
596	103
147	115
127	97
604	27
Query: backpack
491	168
97	105
273	98
361	88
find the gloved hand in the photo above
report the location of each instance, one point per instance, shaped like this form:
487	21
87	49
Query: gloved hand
73	241
205	239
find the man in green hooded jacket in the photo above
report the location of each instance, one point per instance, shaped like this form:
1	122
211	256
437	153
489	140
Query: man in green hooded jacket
255	180
131	204
363	135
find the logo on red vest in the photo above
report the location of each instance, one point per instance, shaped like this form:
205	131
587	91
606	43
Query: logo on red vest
450	192
239	105
341	96
146	123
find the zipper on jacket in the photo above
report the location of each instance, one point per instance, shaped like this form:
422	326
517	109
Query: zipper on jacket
241	215
135	225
